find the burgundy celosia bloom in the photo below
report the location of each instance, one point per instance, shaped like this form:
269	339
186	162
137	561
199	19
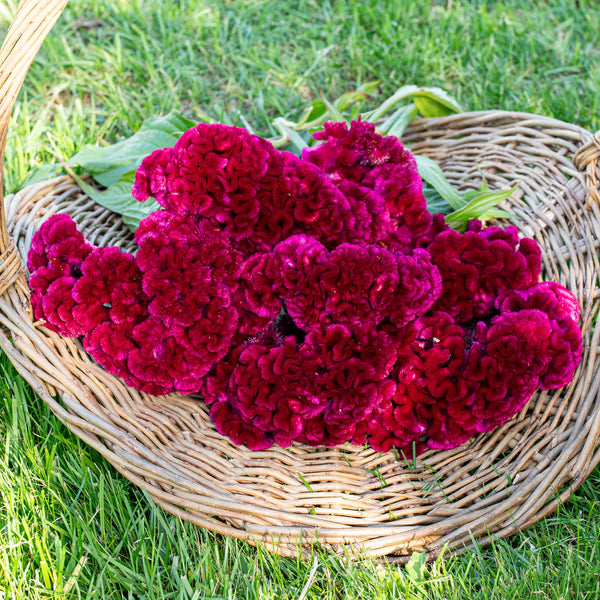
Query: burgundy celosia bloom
351	153
351	285
228	422
58	245
562	311
110	344
380	164
184	267
209	168
175	331
55	258
315	391
458	380
311	300
57	308
111	280
296	197
479	265
155	176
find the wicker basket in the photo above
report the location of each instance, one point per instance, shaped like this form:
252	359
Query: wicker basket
348	498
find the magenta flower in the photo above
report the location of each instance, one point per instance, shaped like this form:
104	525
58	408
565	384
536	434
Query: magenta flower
311	300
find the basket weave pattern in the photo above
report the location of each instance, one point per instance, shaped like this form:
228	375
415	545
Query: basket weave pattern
348	497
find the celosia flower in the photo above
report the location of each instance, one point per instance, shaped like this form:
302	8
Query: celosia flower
462	379
479	265
56	254
351	285
155	176
380	164
311	300
314	391
58	245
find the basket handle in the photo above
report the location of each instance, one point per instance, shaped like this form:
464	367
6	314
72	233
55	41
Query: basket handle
587	159
31	25
32	22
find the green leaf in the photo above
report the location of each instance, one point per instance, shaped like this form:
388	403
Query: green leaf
431	102
318	111
415	567
398	122
346	100
118	199
41	173
472	194
307	112
109	163
335	114
290	135
480	205
435	203
435	102
498	213
431	172
403	93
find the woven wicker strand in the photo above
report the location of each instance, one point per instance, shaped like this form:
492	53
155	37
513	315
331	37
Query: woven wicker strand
586	158
349	498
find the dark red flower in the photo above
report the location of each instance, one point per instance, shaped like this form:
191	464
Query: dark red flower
357	155
155	177
311	300
478	266
58	245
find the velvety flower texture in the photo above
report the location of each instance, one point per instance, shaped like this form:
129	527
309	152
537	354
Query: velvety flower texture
312	299
316	391
358	155
354	285
54	261
141	318
460	379
480	264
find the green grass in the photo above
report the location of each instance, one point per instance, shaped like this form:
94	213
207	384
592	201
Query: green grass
109	65
70	526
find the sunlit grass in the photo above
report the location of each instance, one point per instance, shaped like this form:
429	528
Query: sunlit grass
109	65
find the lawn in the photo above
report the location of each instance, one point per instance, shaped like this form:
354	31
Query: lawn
70	526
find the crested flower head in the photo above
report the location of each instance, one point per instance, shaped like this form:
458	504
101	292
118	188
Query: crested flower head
311	300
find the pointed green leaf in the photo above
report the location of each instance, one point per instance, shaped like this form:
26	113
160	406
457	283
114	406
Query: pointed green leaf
431	102
292	136
109	163
318	111
480	205
306	113
398	122
435	203
431	172
344	101
335	114
41	173
435	102
118	199
403	93
472	194
497	213
430	108
460	226
369	87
